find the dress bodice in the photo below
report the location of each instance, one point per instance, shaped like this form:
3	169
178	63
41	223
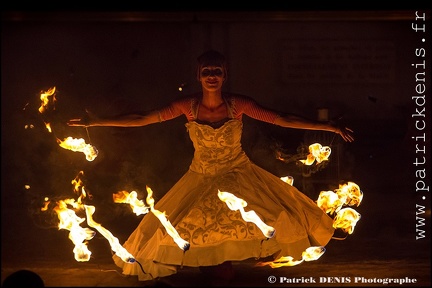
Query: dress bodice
216	149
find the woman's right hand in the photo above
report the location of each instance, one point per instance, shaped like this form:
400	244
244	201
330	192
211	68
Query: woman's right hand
85	121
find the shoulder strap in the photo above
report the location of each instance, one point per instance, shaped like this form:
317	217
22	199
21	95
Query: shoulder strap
194	107
229	100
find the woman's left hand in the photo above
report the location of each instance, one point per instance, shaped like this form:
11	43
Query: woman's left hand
346	133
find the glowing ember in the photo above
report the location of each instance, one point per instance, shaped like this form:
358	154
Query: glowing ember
235	203
317	152
184	245
310	254
138	206
79	145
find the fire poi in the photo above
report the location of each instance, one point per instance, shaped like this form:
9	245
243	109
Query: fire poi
77	145
331	202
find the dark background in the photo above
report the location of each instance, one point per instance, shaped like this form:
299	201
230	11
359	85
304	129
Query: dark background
357	64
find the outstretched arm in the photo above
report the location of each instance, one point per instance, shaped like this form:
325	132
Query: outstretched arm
251	108
292	121
128	120
171	111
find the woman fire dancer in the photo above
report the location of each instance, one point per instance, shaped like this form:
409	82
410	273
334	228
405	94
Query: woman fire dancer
218	235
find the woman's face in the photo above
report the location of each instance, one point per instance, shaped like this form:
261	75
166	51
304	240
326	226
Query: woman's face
212	77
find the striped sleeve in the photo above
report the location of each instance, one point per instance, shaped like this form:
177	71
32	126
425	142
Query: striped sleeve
248	106
177	108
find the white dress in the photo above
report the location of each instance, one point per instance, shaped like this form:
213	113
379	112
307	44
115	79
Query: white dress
216	233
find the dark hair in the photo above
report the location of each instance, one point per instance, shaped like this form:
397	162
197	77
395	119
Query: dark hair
23	278
212	58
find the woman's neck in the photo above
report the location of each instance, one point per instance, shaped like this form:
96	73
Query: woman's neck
212	99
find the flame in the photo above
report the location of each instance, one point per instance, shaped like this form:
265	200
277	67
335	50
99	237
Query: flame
76	145
77	182
114	242
310	254
46	203
138	206
288	179
347	194
184	245
235	203
48	126
79	145
79	188
332	202
346	219
329	202
44	96
317	152
79	235
350	193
